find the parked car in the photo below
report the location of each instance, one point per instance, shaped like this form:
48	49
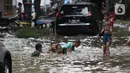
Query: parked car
78	18
5	60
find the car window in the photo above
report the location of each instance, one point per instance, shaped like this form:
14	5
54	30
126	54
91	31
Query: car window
74	10
84	11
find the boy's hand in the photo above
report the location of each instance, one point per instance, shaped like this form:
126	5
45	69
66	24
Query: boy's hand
100	34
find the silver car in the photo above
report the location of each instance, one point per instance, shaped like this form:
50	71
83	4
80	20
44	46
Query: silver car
5	60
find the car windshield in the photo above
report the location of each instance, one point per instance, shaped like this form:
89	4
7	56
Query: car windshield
75	10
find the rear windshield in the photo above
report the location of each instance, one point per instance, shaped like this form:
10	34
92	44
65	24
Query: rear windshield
74	10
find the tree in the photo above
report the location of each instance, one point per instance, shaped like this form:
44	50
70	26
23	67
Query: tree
27	9
37	7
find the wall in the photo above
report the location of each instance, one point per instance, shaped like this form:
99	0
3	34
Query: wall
1	4
7	7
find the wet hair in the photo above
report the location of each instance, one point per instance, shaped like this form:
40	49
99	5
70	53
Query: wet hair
57	45
53	43
52	49
38	46
78	41
59	50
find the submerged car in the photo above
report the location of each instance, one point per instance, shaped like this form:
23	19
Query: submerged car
5	60
78	18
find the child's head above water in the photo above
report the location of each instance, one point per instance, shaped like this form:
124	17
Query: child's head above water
53	45
77	43
59	49
38	47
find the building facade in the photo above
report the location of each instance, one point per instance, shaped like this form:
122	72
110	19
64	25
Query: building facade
7	7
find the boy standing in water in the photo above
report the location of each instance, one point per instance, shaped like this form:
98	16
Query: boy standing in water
107	29
38	50
70	46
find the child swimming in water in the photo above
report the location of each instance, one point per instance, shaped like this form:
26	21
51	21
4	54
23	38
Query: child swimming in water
53	48
59	49
70	46
38	50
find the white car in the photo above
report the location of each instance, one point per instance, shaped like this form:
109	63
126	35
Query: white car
5	60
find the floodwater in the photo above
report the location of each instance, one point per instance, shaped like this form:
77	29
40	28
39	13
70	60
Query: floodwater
88	58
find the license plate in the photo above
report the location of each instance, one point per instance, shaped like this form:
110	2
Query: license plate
74	21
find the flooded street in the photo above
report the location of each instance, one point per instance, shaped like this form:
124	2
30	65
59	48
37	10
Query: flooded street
88	58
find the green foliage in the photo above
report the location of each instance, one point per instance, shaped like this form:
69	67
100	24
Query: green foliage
31	32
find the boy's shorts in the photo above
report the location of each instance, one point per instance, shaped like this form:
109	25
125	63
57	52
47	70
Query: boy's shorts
106	38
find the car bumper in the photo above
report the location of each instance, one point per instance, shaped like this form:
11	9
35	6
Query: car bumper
83	24
75	29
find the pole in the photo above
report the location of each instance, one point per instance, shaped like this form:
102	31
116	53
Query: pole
27	9
107	5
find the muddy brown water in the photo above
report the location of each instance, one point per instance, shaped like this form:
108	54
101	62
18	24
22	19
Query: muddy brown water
88	58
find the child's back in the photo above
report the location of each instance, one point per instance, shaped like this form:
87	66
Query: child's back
35	53
38	50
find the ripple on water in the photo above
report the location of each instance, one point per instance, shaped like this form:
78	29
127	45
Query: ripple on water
86	59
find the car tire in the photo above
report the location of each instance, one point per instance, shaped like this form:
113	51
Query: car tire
7	67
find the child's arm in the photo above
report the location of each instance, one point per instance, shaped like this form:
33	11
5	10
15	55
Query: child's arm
102	28
111	26
101	32
110	30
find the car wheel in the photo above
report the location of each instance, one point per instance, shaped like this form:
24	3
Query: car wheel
7	67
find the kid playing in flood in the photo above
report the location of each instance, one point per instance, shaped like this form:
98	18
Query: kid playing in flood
38	50
53	48
59	49
70	46
107	31
56	48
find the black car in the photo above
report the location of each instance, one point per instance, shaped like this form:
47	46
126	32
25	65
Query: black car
78	18
5	60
